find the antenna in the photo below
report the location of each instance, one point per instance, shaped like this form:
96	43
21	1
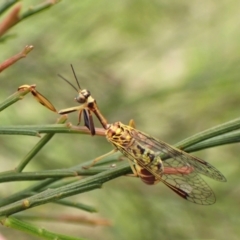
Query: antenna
67	82
75	76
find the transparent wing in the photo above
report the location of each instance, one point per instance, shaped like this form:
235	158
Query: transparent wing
185	180
173	157
188	185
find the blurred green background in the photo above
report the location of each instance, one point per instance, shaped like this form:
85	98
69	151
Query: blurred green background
173	66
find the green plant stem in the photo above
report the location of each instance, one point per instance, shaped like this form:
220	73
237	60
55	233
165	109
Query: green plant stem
50	195
11	176
67	218
33	176
38	8
45	197
15	223
210	133
13	98
26	192
77	205
38	147
32	153
227	138
50	128
7	4
101	174
53	182
78	170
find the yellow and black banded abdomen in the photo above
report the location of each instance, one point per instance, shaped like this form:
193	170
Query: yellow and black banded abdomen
148	162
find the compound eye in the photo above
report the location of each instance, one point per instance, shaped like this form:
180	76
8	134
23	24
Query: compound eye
80	98
83	96
86	93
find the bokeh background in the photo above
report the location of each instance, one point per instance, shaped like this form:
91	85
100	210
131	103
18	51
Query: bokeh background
173	66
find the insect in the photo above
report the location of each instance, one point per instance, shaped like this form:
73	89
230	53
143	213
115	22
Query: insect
38	96
154	160
88	105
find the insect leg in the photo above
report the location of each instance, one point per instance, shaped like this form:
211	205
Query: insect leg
88	121
133	167
100	158
38	96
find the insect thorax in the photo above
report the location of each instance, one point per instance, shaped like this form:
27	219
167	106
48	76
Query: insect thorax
121	136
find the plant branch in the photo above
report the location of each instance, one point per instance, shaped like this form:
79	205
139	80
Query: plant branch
14	17
11	19
38	147
15	58
49	128
49	195
18	224
6	5
210	133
